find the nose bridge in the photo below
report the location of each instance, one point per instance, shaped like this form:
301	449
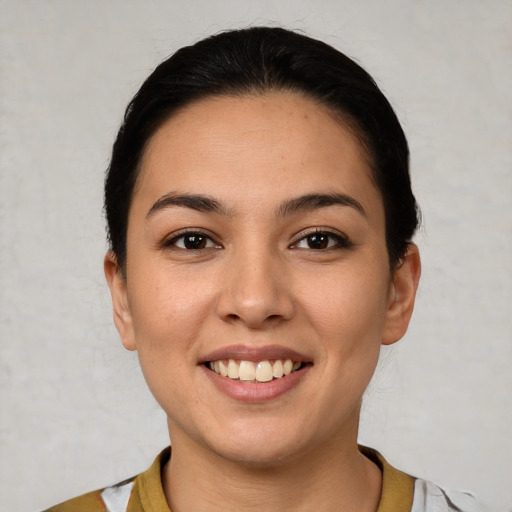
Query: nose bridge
256	289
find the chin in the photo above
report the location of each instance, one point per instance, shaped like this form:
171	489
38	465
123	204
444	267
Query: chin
258	457
259	446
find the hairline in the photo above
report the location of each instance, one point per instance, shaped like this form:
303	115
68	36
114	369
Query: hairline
338	115
343	118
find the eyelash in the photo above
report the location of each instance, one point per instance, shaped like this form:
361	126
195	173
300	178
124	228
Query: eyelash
191	233
340	241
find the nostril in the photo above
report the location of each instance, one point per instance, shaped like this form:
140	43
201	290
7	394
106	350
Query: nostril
254	305
254	321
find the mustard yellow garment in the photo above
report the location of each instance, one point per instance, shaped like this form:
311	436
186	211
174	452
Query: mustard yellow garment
145	493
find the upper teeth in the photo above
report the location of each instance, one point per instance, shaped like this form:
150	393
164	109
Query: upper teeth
264	371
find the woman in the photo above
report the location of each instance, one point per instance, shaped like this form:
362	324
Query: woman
260	216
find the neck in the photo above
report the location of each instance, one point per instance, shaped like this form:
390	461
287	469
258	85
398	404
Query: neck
332	477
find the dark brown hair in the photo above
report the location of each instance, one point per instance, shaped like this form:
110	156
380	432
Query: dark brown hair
254	61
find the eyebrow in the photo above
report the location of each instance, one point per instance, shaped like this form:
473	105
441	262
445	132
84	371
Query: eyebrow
311	202
198	202
305	203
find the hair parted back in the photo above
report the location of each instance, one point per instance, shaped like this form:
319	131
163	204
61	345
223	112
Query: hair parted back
256	61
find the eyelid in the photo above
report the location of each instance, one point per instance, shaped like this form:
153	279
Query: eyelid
344	240
170	240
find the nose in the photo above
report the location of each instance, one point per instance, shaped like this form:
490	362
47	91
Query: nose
257	291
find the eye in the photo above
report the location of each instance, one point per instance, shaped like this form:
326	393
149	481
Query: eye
192	241
322	240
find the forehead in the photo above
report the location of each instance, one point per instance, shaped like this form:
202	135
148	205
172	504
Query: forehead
279	143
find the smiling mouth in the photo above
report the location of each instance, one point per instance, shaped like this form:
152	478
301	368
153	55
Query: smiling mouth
252	372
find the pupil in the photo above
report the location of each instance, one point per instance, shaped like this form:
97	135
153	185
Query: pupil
195	242
318	241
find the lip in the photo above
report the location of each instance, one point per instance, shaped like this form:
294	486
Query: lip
256	392
251	392
254	354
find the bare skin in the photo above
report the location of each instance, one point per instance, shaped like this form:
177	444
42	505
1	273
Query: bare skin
329	481
256	232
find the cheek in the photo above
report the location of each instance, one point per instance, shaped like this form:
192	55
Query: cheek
166	324
349	318
348	305
167	313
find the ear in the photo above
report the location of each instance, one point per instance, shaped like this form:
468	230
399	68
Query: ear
404	285
122	316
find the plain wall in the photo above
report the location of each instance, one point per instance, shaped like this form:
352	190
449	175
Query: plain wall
75	412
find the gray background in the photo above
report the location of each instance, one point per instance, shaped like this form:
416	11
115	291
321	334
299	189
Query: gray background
75	412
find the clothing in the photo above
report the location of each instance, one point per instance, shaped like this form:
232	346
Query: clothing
144	493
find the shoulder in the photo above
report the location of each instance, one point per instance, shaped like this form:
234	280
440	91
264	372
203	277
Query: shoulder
404	493
428	497
109	499
142	492
90	502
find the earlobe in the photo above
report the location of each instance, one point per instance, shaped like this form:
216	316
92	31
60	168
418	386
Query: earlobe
121	310
402	295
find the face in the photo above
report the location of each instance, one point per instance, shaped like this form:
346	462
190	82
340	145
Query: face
255	248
